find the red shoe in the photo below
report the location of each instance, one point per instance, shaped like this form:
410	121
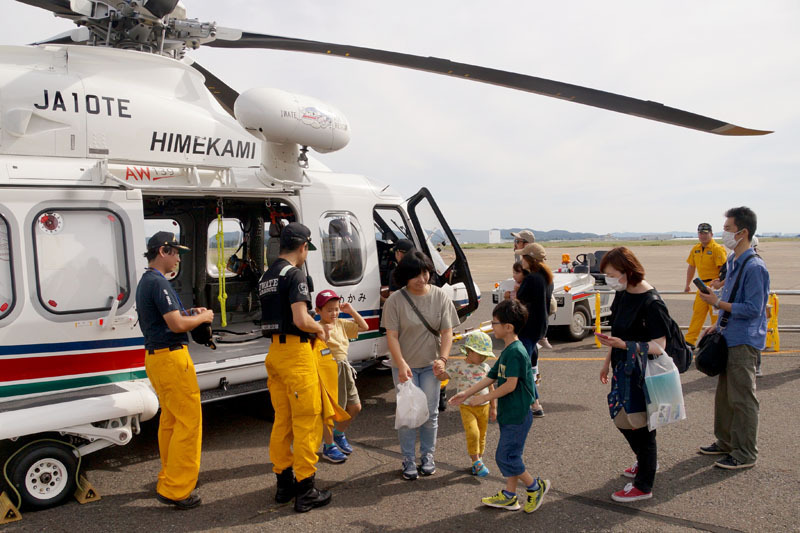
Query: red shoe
630	494
632	471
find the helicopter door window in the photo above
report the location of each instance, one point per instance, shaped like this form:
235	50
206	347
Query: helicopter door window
7	295
154	225
80	260
390	227
232	239
343	248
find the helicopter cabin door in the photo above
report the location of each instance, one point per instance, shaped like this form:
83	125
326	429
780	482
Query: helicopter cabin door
438	242
69	258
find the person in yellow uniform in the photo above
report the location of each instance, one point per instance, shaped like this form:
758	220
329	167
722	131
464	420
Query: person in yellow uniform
293	377
706	257
169	367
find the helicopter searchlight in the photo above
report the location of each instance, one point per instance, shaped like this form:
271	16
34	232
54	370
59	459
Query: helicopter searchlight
282	117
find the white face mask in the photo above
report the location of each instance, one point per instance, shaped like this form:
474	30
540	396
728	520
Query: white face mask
729	239
615	283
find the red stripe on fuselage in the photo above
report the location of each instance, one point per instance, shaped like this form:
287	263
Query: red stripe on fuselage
69	365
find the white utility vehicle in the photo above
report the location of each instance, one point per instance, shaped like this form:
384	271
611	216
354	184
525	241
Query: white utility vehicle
573	284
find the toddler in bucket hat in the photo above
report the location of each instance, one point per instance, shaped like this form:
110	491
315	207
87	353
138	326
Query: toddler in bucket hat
475	416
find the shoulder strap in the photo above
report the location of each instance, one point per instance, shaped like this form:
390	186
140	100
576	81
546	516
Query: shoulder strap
723	322
285	270
417	311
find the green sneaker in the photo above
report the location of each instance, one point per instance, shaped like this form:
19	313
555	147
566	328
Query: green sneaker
536	497
502	501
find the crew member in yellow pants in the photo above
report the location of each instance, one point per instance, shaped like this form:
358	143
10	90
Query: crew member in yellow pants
706	257
293	369
164	324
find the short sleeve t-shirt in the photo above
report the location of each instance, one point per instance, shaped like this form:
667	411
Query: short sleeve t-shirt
419	346
342	331
464	375
277	294
708	260
634	317
155	297
514	363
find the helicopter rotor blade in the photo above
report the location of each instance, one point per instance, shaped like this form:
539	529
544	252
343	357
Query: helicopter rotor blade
78	35
61	8
225	95
231	38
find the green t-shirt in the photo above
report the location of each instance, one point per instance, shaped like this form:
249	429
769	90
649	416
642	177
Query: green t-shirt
514	363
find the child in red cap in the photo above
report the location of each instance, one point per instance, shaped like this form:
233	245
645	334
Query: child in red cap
328	304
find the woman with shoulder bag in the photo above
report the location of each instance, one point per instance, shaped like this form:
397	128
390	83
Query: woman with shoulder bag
535	293
639	325
419	321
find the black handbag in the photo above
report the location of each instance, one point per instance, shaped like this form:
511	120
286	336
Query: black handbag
712	350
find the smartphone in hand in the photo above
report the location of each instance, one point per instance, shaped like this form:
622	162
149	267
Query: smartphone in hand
702	287
602	336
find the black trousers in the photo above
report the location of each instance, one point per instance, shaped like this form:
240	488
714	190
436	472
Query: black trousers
643	444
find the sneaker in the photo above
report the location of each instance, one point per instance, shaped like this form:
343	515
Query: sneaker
630	494
341	442
479	469
427	467
501	501
536	497
409	470
759	373
538	413
333	454
731	463
632	471
546	343
712	450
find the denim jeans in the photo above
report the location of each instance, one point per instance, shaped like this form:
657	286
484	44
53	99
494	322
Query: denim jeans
430	385
510	446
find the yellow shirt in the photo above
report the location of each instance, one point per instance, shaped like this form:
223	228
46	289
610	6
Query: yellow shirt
707	260
342	331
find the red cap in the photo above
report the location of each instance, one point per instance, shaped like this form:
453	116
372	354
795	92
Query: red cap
325	297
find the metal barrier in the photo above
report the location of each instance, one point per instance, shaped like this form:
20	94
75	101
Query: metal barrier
773	309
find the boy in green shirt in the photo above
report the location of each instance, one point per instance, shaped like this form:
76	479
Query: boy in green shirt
515	394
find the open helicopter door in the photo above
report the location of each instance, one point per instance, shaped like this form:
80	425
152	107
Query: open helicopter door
440	244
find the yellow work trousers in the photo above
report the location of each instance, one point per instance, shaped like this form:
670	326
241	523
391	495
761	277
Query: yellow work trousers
700	310
475	419
180	427
294	388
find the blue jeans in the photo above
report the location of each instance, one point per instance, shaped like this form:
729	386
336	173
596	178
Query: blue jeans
430	385
510	446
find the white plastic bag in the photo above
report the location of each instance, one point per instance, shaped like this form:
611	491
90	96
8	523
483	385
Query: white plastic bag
412	406
663	392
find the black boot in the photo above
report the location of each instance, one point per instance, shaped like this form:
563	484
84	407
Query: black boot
287	486
309	497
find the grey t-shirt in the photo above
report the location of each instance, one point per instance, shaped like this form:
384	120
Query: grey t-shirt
420	348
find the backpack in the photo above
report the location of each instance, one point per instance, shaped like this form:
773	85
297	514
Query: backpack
677	348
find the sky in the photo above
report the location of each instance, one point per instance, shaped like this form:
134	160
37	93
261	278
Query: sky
498	158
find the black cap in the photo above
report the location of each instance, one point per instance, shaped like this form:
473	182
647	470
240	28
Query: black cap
166	238
704	227
295	233
404	245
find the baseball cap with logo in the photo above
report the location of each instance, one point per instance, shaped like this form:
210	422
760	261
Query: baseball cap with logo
403	245
296	232
524	235
325	297
704	227
166	238
534	250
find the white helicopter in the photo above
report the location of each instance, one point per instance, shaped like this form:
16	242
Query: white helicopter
108	133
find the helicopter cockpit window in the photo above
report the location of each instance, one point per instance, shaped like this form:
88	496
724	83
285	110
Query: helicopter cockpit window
343	248
80	260
232	238
154	225
6	277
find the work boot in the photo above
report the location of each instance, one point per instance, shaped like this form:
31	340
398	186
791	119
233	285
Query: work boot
287	486
308	497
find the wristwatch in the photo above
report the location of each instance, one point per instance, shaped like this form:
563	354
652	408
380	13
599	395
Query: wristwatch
715	305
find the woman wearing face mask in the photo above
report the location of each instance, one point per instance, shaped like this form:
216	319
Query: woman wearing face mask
639	324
